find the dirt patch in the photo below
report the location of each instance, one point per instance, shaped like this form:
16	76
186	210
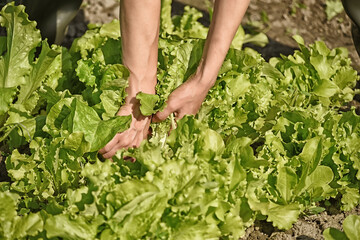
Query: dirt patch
92	11
306	228
3	173
285	18
306	18
102	11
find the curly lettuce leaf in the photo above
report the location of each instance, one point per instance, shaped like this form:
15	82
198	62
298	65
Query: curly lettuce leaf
21	41
13	226
71	116
148	103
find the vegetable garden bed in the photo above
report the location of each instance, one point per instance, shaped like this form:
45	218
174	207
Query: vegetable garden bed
269	143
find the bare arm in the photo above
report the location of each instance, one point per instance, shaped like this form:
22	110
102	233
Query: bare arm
226	20
140	23
140	30
188	97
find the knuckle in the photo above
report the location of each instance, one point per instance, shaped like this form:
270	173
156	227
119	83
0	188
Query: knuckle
126	143
108	155
107	148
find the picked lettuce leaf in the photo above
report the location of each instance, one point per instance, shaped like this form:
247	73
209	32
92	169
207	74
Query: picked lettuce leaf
148	103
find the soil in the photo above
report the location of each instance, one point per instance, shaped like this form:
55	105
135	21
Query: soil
3	173
306	228
306	18
279	19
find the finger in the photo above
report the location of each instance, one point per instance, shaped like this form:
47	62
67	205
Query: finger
110	145
161	116
139	140
109	154
145	134
136	143
117	147
122	141
127	141
180	115
147	130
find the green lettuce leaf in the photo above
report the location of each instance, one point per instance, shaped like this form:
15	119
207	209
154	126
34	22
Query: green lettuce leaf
22	39
13	226
6	98
351	226
73	116
65	227
148	103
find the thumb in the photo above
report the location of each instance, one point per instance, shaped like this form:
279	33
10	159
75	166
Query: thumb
161	116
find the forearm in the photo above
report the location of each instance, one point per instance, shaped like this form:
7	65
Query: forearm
140	23
226	20
139	33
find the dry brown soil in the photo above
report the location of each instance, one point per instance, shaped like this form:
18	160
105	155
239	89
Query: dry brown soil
285	18
306	18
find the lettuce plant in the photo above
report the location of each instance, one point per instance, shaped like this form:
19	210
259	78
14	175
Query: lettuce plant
269	141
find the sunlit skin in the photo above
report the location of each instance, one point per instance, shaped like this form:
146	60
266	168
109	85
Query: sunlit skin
140	21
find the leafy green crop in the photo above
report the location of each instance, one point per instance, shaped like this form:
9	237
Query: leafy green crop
148	103
351	227
269	142
333	7
21	74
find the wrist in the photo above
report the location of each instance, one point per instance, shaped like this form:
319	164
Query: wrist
137	85
205	76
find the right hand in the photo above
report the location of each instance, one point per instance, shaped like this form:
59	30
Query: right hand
187	98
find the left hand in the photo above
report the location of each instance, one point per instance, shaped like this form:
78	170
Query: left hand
132	137
186	99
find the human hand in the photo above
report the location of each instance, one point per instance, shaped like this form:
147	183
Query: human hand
186	99
133	136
